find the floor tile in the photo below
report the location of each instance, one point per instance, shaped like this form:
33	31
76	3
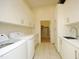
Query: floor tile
46	51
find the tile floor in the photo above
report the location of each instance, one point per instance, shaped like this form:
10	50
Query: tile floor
46	51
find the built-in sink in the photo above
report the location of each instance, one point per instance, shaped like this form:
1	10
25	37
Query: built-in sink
5	41
5	44
69	37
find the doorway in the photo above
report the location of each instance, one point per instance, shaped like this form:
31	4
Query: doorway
45	31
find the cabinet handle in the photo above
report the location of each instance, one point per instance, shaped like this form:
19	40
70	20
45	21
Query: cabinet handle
22	21
67	20
75	54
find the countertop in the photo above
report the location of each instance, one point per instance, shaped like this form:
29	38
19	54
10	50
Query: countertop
74	42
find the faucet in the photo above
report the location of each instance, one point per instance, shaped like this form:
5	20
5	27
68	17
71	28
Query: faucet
76	32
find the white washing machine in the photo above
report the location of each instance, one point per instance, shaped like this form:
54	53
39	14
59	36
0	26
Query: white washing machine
29	41
16	35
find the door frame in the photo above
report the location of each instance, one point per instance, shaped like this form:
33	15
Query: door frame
49	28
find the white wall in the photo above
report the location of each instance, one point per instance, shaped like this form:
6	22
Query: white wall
45	13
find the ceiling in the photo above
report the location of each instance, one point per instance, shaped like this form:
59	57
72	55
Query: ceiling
41	3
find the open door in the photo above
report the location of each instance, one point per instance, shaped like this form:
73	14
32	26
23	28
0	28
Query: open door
45	31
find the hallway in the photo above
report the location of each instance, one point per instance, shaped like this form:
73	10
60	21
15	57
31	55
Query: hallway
45	31
46	51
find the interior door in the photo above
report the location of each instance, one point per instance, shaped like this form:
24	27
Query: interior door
45	37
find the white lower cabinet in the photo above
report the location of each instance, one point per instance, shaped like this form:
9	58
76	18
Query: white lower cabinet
59	45
76	53
68	50
30	48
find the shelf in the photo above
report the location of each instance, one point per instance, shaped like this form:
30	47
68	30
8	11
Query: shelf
22	25
74	23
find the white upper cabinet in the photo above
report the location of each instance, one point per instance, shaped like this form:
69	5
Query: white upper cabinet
71	11
15	12
7	11
27	15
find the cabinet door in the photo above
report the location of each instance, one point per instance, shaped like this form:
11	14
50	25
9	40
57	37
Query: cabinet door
74	11
76	53
8	11
26	15
68	51
15	11
31	48
60	46
29	19
71	12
